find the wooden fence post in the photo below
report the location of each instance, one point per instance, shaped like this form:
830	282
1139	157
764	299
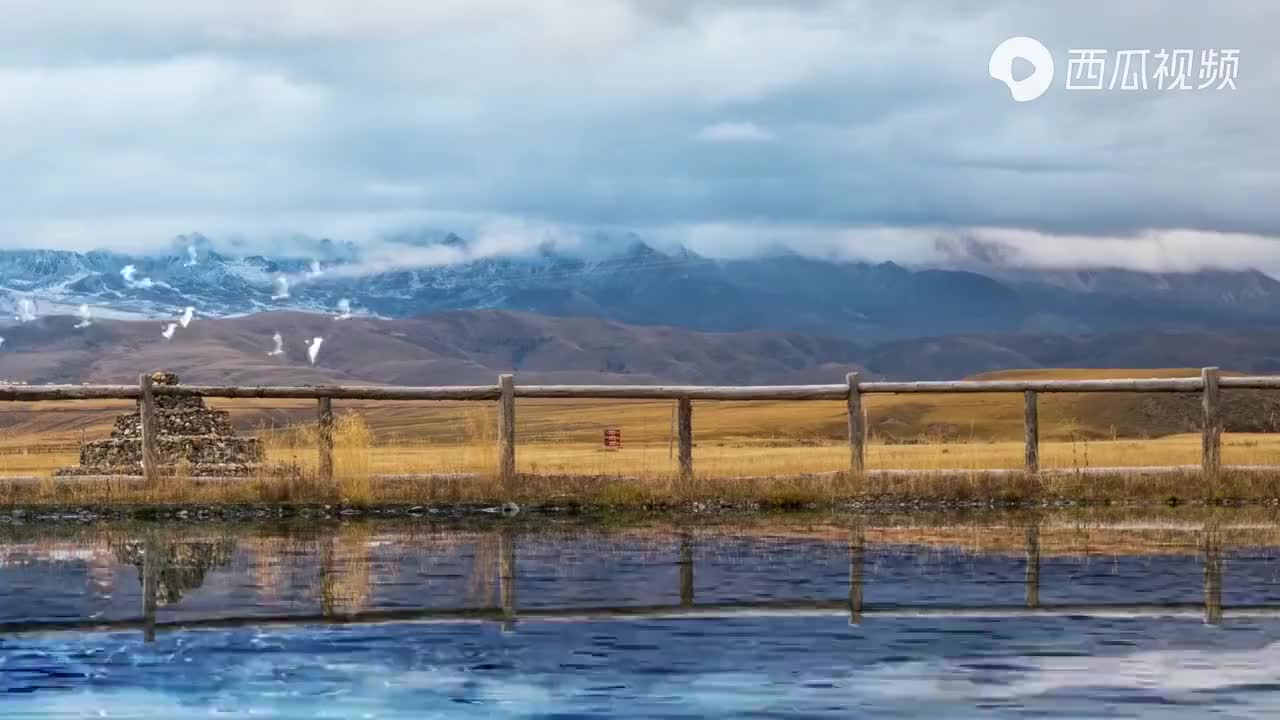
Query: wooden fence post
857	429
1031	425
685	429
147	414
324	439
1211	432
507	431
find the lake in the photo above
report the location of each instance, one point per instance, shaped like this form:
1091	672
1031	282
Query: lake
836	616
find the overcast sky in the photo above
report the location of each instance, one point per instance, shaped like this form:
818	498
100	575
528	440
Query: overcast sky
865	129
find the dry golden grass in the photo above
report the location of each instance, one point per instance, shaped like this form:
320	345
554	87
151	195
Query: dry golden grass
783	491
357	456
744	457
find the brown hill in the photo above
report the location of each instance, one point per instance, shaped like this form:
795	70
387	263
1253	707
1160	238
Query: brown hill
475	346
1065	416
448	348
1254	351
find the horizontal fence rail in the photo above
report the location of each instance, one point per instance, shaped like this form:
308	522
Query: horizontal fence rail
506	391
28	393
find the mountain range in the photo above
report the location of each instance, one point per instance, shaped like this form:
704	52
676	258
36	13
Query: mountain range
637	284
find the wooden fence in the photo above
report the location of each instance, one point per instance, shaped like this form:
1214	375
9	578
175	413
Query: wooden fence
506	392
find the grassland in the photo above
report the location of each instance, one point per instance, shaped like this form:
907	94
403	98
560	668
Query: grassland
741	449
565	438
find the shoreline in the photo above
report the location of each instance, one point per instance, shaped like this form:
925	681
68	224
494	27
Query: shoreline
716	511
597	495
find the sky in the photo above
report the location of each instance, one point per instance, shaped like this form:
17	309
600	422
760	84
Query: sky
866	130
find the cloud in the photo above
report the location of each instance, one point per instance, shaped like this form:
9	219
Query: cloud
1174	250
128	124
734	132
495	238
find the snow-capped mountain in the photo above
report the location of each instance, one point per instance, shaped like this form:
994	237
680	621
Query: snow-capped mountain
634	283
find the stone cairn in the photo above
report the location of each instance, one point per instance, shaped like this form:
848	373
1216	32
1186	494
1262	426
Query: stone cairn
190	438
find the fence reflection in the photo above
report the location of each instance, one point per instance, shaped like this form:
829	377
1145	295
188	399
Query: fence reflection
348	561
686	570
1033	566
856	553
1212	559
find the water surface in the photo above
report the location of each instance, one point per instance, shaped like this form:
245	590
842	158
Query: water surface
838	618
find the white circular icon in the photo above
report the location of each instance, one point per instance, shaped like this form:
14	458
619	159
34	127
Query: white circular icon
1030	50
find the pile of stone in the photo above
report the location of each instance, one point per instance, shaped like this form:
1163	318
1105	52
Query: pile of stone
191	439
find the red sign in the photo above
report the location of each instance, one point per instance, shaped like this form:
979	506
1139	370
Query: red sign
613	438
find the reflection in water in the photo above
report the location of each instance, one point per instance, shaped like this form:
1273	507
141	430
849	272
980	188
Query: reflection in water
856	540
826	618
1212	545
172	567
1033	566
686	570
338	573
507	577
486	550
344	570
